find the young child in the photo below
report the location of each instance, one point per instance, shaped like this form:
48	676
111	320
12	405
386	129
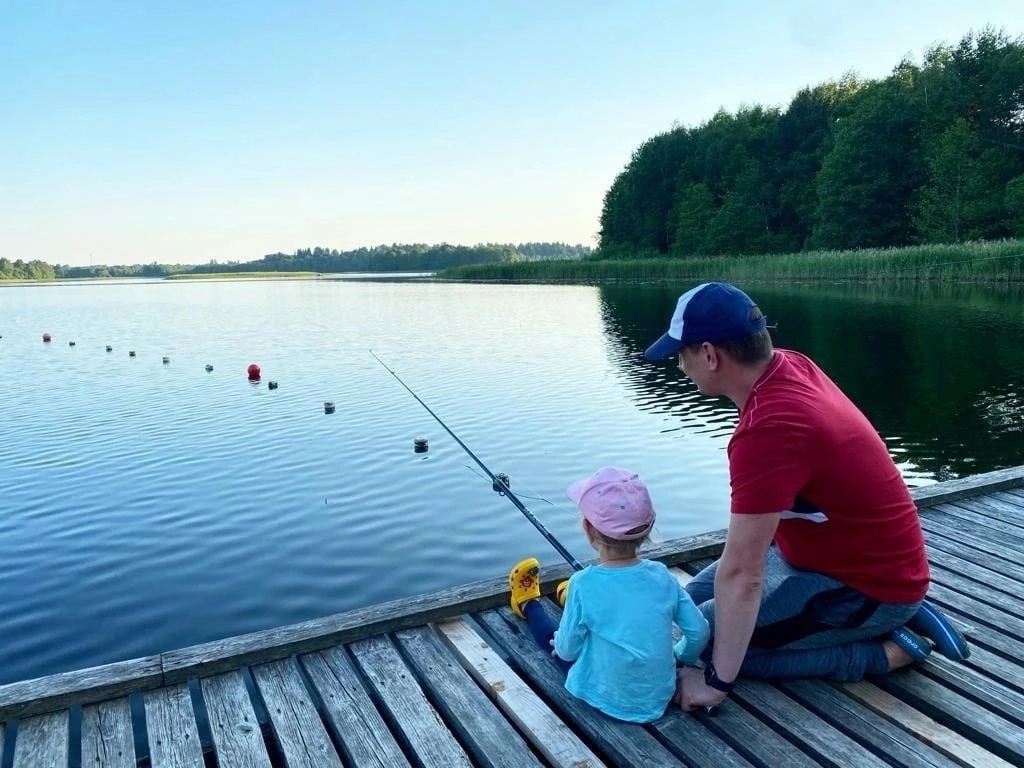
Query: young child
616	629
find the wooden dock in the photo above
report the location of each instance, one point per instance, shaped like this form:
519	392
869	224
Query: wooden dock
455	680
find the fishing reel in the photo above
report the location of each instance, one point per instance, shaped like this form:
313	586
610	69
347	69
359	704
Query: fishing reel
498	486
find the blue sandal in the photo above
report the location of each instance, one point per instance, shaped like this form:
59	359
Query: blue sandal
931	623
916	646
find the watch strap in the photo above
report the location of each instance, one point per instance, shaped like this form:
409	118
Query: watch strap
712	680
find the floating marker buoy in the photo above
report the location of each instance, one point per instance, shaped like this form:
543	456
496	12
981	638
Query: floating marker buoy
132	353
271	385
109	348
209	367
328	407
502	478
254	372
46	338
420	445
71	343
167	360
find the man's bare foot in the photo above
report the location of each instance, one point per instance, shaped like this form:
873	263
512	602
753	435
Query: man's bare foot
895	655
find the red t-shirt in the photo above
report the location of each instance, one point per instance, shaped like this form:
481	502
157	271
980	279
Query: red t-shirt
802	446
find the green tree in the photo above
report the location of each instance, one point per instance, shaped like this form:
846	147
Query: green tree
1015	205
874	168
694	208
938	214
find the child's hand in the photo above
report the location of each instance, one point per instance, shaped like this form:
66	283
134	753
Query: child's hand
551	642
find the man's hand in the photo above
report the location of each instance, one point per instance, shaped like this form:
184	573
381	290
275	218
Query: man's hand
693	693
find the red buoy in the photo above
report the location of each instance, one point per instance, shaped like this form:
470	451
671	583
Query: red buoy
254	372
46	337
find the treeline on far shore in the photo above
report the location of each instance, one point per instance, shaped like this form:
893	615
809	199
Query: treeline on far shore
415	257
978	262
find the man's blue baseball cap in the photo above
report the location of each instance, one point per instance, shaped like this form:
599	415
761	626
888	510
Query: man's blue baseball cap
713	312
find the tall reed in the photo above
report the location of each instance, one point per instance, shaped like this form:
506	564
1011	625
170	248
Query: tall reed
1000	261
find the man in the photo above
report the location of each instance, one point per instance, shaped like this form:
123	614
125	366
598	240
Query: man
824	570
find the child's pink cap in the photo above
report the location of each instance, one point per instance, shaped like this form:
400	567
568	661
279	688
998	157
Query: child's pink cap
616	502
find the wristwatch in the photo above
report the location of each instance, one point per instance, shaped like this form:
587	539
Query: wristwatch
712	680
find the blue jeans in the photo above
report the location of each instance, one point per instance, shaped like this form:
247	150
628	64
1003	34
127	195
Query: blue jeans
542	627
809	625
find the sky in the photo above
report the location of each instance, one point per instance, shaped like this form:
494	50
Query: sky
184	132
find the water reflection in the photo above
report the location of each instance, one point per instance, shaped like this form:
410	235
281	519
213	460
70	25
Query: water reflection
937	368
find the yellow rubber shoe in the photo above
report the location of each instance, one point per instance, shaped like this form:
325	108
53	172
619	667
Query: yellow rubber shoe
561	592
524	584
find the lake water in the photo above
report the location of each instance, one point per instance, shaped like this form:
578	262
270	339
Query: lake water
151	505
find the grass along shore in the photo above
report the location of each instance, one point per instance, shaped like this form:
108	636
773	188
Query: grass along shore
978	262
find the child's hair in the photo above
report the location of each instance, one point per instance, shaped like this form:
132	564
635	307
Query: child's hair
618	546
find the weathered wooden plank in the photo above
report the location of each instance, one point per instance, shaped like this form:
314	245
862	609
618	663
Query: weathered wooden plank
1003	601
549	735
864	725
828	745
236	731
982	688
964	538
357	725
979	524
490	739
623	743
1001	504
975	723
42	741
992	508
974	485
923	727
83	686
688	735
1018	493
1004	623
107	738
171	725
399	693
977	569
301	735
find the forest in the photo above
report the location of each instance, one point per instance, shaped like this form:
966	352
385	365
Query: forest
25	270
933	153
382	258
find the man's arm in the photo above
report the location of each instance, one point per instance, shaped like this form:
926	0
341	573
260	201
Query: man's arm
739	582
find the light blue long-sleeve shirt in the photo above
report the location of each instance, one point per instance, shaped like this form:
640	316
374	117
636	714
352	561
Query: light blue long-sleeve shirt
617	628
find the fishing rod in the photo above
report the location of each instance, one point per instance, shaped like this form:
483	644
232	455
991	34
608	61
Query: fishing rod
500	482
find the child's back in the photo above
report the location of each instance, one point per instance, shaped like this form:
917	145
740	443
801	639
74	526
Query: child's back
617	626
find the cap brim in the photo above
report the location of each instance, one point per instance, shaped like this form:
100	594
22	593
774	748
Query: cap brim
664	347
575	490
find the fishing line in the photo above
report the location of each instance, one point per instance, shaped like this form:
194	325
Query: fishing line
499	482
502	476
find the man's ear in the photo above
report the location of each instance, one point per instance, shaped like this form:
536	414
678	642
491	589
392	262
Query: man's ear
711	355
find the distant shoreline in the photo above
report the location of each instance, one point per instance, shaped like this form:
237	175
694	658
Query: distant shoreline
975	262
